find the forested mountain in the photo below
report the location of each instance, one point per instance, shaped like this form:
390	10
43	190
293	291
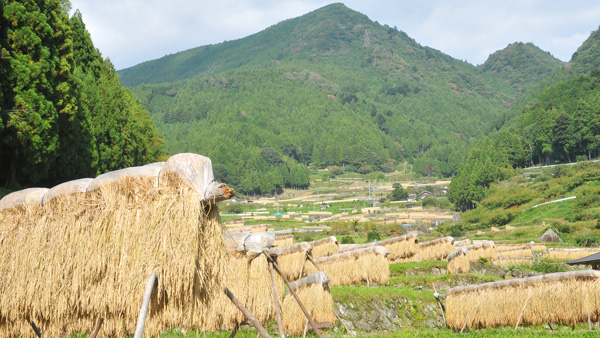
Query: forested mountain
63	111
560	123
331	87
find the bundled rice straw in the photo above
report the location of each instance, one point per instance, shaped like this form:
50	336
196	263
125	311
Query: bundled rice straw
401	247
523	251
248	229
569	253
532	246
361	265
324	247
464	242
84	256
564	298
314	293
508	261
249	279
436	250
486	249
291	259
284	240
458	261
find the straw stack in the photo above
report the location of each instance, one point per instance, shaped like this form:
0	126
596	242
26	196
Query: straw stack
569	253
508	261
314	293
485	249
532	246
564	298
402	247
458	261
463	242
284	240
249	279
89	255
247	229
436	250
324	247
361	265
291	259
523	251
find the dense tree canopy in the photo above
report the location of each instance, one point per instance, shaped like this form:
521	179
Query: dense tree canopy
64	114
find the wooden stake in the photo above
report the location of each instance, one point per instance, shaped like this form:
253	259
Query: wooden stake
344	325
259	328
235	330
523	310
441	306
305	329
469	316
312	322
139	329
36	329
309	256
276	303
96	328
589	321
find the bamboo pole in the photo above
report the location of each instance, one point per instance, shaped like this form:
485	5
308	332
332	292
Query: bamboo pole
96	328
469	316
139	329
523	310
441	306
235	330
276	303
308	316
36	329
259	328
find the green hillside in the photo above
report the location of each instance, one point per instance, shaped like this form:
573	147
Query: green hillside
557	122
331	87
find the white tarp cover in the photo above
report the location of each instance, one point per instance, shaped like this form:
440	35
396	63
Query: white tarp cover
148	170
256	242
195	170
25	197
318	277
67	188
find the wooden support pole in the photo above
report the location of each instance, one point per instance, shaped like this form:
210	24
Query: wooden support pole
259	328
589	321
310	258
276	303
139	329
235	330
469	316
308	316
96	328
35	328
523	310
441	306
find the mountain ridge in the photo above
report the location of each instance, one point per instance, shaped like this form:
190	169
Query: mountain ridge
328	88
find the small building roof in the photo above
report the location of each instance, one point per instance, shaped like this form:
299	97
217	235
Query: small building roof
593	259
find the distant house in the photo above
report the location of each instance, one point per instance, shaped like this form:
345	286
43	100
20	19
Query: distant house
412	197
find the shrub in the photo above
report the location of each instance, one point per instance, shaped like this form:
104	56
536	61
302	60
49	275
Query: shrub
373	235
347	240
588	240
563	228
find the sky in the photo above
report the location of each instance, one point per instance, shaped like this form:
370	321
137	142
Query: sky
130	32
